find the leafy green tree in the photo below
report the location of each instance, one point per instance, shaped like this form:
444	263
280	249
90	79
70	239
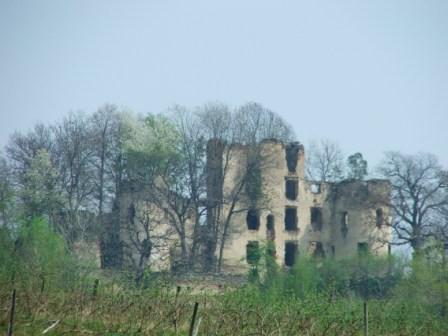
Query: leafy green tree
40	195
150	146
6	192
36	255
357	167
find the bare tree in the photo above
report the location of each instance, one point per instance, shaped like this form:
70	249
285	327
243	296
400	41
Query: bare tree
146	236
23	148
324	161
31	160
419	196
74	152
104	131
189	181
252	123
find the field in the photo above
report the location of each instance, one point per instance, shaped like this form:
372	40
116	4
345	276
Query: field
59	294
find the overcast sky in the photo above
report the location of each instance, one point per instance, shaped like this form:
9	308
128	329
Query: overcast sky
371	75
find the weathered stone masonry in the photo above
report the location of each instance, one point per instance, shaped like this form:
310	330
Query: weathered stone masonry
278	205
299	216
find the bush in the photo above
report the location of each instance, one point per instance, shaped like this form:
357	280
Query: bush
36	252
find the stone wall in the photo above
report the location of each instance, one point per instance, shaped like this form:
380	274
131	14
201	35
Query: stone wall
343	214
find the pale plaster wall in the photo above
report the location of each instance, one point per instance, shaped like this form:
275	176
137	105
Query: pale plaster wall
162	233
359	199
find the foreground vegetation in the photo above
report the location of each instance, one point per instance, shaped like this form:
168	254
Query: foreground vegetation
314	298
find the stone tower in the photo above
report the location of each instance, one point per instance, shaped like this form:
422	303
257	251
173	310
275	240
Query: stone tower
263	194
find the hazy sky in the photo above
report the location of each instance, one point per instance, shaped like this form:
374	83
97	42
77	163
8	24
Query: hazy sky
371	75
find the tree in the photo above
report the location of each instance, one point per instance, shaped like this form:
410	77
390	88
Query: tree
40	195
76	175
146	235
156	163
252	123
6	192
419	196
104	125
188	178
23	148
324	161
357	167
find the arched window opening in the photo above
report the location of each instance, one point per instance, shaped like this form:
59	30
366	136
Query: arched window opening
379	218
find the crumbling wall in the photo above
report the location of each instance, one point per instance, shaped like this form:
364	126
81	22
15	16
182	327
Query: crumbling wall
271	209
320	208
356	204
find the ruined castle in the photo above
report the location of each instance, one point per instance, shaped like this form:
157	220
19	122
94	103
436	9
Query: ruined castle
299	216
259	194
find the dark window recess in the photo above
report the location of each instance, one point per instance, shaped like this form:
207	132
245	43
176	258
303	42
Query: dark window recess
290	219
291	187
270	227
379	218
363	249
292	156
252	252
316	219
317	249
290	253
131	213
344	224
252	219
270	221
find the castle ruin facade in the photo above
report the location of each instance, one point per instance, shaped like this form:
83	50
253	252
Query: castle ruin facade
263	193
259	195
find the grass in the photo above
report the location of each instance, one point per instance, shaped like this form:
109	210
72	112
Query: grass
157	310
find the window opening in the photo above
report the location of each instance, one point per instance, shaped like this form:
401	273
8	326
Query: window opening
252	219
290	219
290	253
270	227
315	188
291	189
379	218
292	156
316	219
363	249
317	249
